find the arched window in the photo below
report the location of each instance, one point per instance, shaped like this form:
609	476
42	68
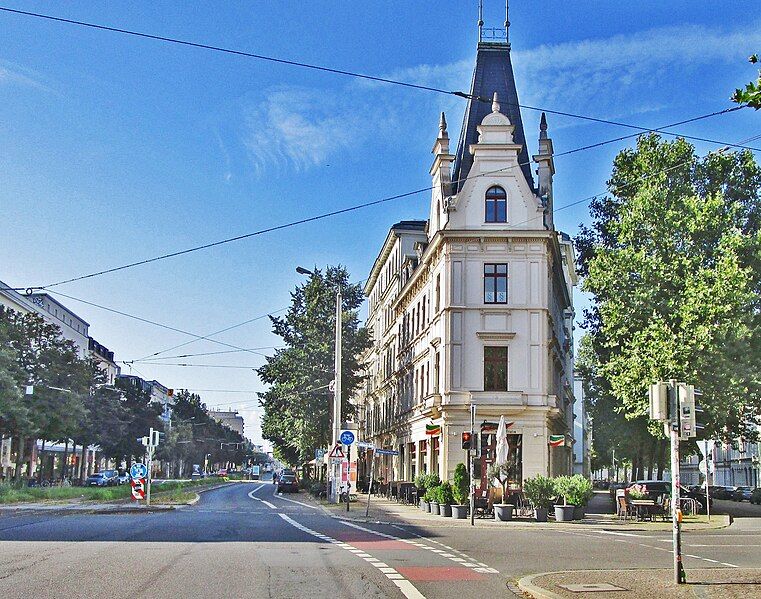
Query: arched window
496	205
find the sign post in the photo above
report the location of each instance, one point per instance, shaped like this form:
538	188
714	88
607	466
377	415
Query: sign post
370	487
347	437
472	466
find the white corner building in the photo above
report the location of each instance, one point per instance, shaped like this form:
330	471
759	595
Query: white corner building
474	305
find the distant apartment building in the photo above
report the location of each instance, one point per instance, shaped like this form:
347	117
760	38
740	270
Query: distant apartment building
160	394
230	419
105	360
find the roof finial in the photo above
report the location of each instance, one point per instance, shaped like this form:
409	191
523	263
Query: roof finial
507	21
480	18
543	127
495	103
443	125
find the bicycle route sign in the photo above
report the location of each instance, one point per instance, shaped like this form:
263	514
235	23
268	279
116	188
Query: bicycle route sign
347	437
138	470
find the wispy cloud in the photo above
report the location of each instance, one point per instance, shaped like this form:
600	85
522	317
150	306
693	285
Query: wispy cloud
614	77
14	74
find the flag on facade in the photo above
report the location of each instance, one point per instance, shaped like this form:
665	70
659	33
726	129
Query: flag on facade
557	440
489	428
432	429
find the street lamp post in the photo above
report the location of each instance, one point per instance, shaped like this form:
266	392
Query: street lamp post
333	476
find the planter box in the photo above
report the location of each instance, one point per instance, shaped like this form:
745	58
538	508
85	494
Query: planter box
503	511
540	514
434	508
460	512
446	510
579	512
564	513
425	506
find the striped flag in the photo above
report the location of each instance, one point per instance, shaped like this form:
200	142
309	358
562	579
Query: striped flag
557	440
491	427
432	429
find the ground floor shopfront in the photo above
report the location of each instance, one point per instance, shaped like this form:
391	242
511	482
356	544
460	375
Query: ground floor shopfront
434	445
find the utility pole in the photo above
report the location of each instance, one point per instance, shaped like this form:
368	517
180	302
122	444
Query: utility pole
471	462
676	512
337	393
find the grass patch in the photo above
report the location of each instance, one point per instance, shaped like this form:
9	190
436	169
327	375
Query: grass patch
176	496
12	493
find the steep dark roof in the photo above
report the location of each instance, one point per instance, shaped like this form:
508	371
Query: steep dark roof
493	72
410	225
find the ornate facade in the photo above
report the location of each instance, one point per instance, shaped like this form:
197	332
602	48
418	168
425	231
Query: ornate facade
474	305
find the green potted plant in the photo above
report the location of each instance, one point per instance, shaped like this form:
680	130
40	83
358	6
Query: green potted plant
540	492
580	493
502	511
564	511
446	499
420	483
425	503
435	499
461	492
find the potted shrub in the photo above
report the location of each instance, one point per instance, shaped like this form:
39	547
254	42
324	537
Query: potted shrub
461	492
580	493
502	511
540	491
446	498
564	511
420	483
434	494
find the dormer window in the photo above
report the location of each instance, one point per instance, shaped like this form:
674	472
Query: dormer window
496	205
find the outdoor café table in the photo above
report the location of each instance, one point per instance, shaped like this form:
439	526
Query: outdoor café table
645	508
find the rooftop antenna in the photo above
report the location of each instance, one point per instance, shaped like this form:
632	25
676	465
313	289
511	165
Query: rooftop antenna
480	18
507	21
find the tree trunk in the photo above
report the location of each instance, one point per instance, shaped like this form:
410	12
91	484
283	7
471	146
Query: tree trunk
83	464
661	456
19	458
65	464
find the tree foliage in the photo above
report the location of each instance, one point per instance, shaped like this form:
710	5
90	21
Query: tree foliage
673	260
751	94
297	406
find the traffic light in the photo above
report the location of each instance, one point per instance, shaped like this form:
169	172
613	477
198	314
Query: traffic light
659	401
157	437
170	392
467	440
687	411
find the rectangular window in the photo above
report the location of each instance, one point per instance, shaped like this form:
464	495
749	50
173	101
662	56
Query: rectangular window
495	283
495	369
438	293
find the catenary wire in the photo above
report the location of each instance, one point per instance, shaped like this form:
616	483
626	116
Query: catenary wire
350	209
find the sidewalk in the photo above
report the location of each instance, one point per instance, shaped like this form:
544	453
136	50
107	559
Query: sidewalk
384	511
726	583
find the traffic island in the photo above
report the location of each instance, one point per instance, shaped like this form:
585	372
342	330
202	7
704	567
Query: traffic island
724	583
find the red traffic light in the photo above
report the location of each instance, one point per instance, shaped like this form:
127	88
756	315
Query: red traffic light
467	438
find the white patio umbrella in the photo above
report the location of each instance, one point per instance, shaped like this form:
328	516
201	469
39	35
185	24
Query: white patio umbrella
503	449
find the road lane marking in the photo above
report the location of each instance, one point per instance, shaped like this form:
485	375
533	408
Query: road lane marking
404	585
484	569
311	507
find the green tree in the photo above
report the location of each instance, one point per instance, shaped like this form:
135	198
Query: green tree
141	415
751	95
673	260
297	406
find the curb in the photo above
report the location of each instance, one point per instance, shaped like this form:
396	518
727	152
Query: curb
526	584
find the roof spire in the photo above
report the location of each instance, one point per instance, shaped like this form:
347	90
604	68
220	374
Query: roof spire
507	21
495	103
543	127
480	19
443	126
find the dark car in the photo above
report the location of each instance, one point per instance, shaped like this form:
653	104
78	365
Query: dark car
742	494
287	482
104	478
658	488
723	492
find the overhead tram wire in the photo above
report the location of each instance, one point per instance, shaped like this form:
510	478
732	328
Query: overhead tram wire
359	207
208	353
333	71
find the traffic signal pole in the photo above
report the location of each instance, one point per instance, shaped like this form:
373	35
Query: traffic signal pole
674	426
471	461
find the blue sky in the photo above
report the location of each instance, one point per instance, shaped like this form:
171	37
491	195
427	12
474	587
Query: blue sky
115	148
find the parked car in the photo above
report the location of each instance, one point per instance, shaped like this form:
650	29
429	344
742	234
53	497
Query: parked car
104	478
123	479
724	492
742	494
222	472
287	482
659	488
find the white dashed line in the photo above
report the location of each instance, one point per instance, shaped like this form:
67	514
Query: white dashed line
404	585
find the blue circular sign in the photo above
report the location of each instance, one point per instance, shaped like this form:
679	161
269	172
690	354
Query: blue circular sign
347	437
138	470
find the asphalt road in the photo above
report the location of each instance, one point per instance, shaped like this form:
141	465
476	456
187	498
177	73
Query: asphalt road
245	541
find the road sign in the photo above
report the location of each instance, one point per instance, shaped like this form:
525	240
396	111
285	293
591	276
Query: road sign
346	437
386	452
138	489
365	445
336	452
336	461
138	470
319	454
